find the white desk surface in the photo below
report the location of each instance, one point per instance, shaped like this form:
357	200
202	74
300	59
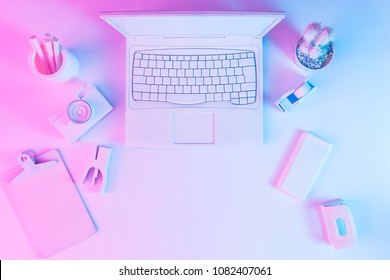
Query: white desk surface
209	203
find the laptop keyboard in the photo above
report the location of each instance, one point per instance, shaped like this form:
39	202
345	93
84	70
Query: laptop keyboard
194	76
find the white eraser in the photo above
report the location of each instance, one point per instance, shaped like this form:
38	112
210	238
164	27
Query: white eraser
303	166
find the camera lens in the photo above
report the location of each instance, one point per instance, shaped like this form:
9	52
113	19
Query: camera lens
79	111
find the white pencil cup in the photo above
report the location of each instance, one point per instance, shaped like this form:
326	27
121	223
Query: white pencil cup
68	70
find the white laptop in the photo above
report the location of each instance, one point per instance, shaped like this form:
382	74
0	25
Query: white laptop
193	78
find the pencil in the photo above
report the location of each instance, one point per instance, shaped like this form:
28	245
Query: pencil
38	50
57	52
50	54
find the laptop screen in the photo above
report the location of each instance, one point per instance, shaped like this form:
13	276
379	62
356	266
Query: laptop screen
192	24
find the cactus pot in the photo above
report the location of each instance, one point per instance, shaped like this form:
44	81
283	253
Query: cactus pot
304	61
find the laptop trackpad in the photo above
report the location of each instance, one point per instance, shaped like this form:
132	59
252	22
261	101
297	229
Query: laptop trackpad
193	128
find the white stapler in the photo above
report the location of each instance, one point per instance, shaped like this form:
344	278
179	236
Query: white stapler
97	173
340	229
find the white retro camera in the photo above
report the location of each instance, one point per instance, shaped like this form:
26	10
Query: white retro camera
81	114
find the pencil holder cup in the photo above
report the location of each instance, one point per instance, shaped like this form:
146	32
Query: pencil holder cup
68	69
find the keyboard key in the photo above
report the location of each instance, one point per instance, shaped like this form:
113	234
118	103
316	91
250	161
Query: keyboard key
238	71
185	64
187	89
191	81
250	74
207	81
240	79
229	56
145	96
216	81
162	89
220	88
199	81
166	81
205	72
139	79
156	72
251	100
170	89
213	72
209	97
186	99
248	86
218	64
137	95
234	63
232	79
201	64
211	89
246	62
178	89
144	63
176	64
189	72
168	64
236	87
162	97
138	71
226	63
224	80
150	80
195	89
164	73
251	54
152	63
166	57
218	97
222	72
209	64
203	89
197	72
172	73
174	81
158	80
160	64
228	88
148	72
153	88
243	94
182	81
252	93
193	64
230	71
136	63
180	73
226	96
153	97
137	55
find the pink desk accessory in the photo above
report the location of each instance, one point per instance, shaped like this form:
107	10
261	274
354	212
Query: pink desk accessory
96	177
47	203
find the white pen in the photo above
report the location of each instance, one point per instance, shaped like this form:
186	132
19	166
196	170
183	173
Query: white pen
57	52
50	54
39	52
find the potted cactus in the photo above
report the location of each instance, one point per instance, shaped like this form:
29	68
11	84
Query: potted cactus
315	48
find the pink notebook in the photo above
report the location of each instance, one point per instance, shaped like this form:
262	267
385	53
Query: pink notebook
47	203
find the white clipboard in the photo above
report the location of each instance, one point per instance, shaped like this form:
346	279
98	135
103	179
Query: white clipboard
47	203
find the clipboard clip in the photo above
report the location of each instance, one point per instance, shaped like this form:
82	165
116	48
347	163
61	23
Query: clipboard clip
30	168
97	173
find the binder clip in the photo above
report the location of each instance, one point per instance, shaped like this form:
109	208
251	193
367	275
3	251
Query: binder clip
339	226
97	173
30	167
295	96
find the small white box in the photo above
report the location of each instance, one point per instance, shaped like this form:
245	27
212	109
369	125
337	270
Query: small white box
303	166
